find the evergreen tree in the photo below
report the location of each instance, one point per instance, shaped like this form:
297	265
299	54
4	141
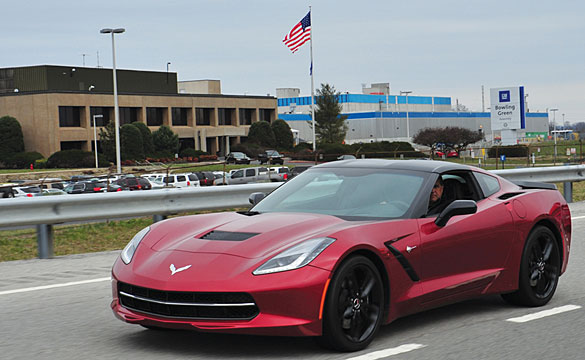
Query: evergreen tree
330	126
147	144
108	141
11	138
131	146
282	134
261	133
165	140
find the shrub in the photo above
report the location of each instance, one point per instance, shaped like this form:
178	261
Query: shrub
303	146
11	138
509	151
190	152
41	163
21	160
75	159
207	157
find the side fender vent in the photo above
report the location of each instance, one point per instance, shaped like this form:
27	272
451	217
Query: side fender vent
509	195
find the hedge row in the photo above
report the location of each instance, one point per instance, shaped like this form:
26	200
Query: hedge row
509	151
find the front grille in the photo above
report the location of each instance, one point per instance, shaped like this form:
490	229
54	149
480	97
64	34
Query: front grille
191	305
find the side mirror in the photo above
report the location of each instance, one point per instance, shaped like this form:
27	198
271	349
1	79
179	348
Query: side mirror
256	197
457	207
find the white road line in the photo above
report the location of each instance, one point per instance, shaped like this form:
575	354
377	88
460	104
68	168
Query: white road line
545	313
388	352
578	217
45	287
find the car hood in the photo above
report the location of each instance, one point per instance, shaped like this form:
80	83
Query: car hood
241	235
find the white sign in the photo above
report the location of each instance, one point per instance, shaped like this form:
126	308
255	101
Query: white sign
507	108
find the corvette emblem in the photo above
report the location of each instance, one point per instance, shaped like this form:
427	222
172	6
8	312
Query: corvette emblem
175	270
409	248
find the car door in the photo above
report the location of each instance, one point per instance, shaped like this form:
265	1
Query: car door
467	254
237	177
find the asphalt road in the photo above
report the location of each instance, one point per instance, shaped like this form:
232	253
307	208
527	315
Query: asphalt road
59	309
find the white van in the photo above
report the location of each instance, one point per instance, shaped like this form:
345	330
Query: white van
248	175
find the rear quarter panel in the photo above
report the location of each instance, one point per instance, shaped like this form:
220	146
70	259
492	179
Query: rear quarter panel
545	207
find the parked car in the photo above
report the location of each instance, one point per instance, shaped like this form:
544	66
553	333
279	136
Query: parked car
53	191
249	175
297	170
26	191
91	187
180	180
76	178
221	178
447	153
206	178
346	248
278	173
271	157
6	190
237	158
133	183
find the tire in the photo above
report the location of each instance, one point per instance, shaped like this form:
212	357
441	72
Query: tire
354	306
539	270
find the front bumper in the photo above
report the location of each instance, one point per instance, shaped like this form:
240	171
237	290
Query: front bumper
289	303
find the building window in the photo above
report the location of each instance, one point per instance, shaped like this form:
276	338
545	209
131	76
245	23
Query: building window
266	115
70	116
128	115
186	143
72	145
154	116
247	116
180	116
225	116
203	116
105	115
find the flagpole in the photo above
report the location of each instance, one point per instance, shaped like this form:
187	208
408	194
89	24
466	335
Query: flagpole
312	86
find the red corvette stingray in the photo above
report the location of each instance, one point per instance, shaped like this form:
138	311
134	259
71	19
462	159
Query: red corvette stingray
346	247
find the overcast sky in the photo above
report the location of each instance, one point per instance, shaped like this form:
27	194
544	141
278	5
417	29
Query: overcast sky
439	48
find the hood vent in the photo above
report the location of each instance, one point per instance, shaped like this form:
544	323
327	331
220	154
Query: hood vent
227	235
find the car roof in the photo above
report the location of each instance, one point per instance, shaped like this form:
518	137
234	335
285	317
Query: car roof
416	165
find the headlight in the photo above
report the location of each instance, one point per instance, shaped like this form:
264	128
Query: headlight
295	257
129	250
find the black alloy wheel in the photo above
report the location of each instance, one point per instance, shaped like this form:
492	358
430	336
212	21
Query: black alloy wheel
539	269
354	305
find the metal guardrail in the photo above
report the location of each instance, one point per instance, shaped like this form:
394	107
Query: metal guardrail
552	174
44	212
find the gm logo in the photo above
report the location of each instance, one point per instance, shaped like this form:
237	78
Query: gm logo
505	96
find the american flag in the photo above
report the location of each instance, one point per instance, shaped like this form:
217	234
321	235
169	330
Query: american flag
299	34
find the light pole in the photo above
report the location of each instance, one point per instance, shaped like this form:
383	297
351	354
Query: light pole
554	111
168	63
95	139
116	109
407	121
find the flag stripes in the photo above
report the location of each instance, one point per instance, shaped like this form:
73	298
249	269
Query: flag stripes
300	34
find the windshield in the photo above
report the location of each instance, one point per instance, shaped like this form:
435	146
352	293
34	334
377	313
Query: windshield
349	193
